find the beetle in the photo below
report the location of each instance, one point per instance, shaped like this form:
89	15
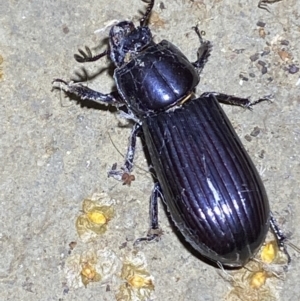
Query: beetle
210	185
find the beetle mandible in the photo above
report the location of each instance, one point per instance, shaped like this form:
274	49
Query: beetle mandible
203	173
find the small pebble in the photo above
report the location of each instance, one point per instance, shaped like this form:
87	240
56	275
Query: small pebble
255	132
285	42
248	138
293	69
254	57
261	24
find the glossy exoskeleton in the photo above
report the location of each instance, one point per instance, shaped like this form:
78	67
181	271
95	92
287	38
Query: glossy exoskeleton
211	188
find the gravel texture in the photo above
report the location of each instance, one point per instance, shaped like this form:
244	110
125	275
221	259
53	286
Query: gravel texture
55	152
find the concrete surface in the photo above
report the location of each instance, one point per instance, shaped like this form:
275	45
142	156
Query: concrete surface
56	152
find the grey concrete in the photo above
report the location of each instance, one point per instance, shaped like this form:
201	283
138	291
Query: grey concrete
55	153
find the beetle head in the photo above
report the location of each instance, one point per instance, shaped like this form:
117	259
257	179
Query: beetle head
126	41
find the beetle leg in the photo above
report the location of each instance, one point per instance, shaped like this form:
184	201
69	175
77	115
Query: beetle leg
154	232
233	100
263	4
124	173
87	55
84	92
203	52
147	13
280	237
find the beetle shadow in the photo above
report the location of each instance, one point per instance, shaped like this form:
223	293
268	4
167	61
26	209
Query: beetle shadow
172	224
84	76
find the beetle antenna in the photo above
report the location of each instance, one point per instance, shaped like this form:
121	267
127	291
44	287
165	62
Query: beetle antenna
147	13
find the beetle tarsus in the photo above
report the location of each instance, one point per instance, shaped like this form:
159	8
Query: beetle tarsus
147	13
233	100
280	237
253	103
87	55
154	233
124	173
203	52
263	4
84	92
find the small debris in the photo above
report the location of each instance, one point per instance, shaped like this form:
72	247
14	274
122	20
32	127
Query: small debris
162	6
293	69
269	252
138	284
89	274
243	77
262	154
254	57
266	51
261	32
248	138
264	70
127	178
258	279
284	42
255	132
72	245
97	212
238	51
261	63
284	55
261	24
65	29
90	266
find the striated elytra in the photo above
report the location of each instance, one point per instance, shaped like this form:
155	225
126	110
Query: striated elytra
211	187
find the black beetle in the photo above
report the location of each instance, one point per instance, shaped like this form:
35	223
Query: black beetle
211	187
